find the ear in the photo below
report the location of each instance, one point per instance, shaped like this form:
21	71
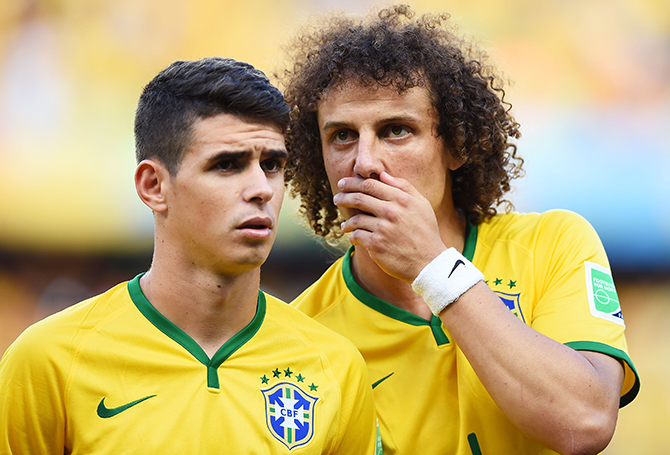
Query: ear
151	178
454	162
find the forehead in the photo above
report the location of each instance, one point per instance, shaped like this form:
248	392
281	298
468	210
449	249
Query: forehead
232	128
346	98
228	133
223	132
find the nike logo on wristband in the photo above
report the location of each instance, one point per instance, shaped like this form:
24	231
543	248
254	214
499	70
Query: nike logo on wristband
459	262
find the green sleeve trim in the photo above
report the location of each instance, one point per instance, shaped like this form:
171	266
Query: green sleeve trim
386	308
617	354
168	328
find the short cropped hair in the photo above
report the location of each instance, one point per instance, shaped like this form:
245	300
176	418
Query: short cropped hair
393	49
187	91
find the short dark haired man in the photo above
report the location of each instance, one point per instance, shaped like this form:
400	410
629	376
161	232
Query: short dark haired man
483	332
191	357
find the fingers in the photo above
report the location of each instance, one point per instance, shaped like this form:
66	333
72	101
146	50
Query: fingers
360	203
390	219
370	206
383	189
372	196
399	183
373	233
361	221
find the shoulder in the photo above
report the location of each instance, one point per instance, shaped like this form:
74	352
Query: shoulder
552	238
61	332
324	293
515	223
313	334
44	353
296	320
531	228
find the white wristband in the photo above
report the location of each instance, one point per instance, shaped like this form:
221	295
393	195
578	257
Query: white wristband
445	279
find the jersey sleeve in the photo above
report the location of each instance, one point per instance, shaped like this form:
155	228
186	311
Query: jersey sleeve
578	304
31	402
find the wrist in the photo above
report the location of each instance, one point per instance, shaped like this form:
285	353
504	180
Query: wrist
445	279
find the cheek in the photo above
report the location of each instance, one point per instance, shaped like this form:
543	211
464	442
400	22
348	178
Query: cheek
428	174
435	185
335	169
278	196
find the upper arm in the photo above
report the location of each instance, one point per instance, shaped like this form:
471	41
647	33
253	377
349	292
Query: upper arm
611	373
577	303
30	403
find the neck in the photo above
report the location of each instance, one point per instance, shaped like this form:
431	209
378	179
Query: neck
395	291
209	307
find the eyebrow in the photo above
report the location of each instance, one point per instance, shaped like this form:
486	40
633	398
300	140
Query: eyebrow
394	119
239	155
279	153
331	125
401	118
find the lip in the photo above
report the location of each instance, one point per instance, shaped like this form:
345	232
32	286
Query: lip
257	221
259	227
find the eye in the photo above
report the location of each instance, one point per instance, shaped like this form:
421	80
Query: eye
273	165
396	131
342	136
225	165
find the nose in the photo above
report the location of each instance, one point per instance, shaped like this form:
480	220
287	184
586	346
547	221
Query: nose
368	162
258	186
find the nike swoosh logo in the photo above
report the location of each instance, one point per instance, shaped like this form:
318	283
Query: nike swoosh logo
382	380
459	262
106	413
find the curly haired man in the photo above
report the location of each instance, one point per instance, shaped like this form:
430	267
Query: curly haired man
484	331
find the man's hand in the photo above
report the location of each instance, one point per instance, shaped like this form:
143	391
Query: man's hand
392	221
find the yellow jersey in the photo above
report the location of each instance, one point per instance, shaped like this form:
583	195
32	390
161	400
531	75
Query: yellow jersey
549	269
111	375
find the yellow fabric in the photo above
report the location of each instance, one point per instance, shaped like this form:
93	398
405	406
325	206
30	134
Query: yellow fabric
54	377
429	399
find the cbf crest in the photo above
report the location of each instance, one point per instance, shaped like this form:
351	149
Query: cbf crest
511	301
289	412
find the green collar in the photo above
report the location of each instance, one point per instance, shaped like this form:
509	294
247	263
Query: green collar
470	240
393	311
188	343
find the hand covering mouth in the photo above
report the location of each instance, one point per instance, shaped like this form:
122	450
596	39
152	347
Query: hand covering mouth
357	211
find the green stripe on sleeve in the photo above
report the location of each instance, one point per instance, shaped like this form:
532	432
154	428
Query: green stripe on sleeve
617	354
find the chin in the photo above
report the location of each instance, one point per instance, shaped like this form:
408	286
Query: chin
253	261
238	264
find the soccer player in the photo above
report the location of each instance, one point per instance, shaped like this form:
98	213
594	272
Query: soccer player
191	357
483	332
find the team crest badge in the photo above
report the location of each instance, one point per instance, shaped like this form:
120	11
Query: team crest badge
289	412
511	301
